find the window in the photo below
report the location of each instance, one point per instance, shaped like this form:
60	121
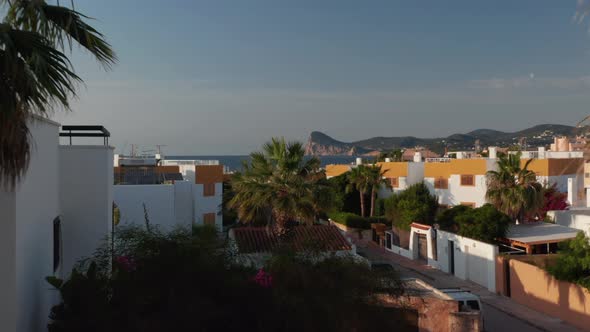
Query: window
467	180
394	182
209	219
470	204
209	189
587	175
441	183
473	304
56	244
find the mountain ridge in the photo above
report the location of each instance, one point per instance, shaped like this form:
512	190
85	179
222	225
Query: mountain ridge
321	144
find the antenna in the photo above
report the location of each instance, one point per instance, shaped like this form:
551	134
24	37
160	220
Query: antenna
159	148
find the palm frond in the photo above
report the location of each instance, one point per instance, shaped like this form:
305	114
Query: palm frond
62	26
15	149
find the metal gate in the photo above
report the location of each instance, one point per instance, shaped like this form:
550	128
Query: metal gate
422	247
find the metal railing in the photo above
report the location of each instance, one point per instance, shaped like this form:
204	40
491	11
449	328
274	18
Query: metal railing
438	160
85	131
173	162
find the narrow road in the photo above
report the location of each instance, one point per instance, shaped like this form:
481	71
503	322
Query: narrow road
500	313
499	321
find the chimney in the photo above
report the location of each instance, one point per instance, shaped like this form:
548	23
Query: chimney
387	160
541	152
359	161
417	157
116	160
492	153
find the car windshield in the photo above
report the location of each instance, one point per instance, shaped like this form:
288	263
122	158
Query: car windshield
473	305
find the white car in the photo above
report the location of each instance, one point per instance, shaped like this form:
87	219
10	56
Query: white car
467	301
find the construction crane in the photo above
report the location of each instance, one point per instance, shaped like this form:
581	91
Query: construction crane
584	123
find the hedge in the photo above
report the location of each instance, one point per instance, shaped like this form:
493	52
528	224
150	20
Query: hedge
355	221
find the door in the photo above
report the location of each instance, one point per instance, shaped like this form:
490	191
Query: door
422	247
451	250
388	241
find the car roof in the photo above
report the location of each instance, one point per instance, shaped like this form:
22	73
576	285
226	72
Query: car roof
460	295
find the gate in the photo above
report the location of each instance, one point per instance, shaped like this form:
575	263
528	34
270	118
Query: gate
422	247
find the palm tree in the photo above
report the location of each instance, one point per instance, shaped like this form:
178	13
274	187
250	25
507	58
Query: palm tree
375	178
278	183
513	189
358	179
36	76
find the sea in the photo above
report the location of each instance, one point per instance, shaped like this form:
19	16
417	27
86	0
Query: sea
234	163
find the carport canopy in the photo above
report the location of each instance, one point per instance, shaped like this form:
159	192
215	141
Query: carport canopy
529	235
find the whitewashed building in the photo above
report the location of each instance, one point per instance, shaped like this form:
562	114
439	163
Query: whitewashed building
193	197
58	213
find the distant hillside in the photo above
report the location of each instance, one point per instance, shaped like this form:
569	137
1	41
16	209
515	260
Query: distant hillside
321	144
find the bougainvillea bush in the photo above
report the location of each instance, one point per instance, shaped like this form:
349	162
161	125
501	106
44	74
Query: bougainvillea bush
187	281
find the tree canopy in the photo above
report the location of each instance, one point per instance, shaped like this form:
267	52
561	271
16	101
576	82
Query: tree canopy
513	189
573	262
485	223
414	204
281	185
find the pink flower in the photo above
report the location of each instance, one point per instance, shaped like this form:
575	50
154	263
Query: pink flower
126	263
263	279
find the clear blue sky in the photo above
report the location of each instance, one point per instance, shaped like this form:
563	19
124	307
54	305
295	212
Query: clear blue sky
222	77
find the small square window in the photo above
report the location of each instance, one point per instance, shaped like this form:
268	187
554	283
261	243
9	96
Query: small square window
394	182
468	180
209	219
209	189
441	183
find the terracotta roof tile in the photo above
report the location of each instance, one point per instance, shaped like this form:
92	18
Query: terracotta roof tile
261	239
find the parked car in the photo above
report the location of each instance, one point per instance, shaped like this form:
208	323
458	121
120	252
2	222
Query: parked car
466	300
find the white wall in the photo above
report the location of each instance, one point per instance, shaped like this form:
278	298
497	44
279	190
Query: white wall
415	173
578	219
158	200
210	204
385	192
37	204
168	205
86	195
8	310
474	260
459	193
183	202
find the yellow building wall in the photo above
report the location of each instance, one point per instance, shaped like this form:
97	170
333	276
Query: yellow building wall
394	169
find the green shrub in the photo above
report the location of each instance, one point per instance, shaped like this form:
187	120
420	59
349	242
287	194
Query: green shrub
380	207
485	223
355	221
446	219
573	264
188	281
415	204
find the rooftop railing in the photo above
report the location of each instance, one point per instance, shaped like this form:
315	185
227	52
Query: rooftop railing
85	131
172	162
438	160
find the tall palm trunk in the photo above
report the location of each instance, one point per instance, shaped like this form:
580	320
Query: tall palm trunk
280	224
362	203
373	195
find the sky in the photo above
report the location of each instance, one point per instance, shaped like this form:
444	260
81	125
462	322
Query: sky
222	77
